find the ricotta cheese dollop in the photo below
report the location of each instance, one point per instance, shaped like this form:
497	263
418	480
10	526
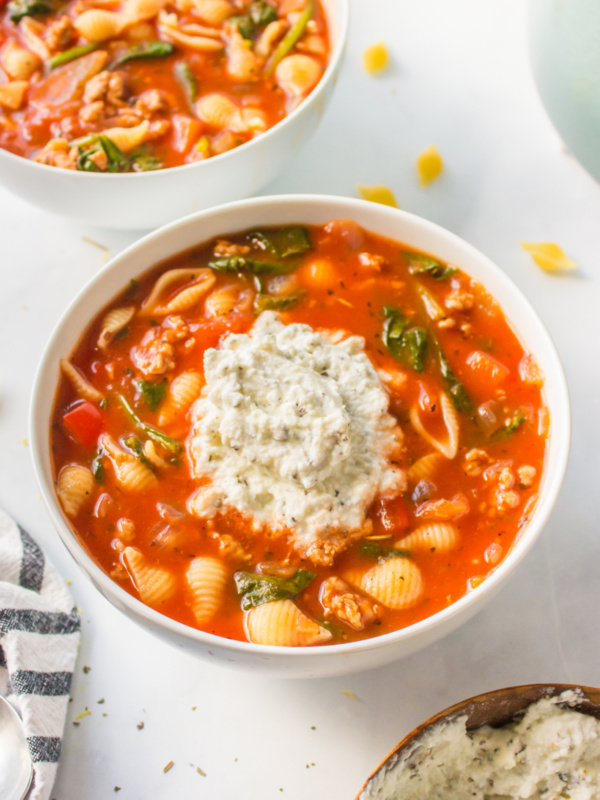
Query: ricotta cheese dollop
293	431
552	751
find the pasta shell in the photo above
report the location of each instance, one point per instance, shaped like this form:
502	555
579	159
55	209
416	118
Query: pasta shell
396	583
313	44
98	25
187	297
12	94
281	623
153	584
221	112
206	578
141	10
203	44
424	467
449	446
221	302
112	323
152	455
193	29
81	384
268	38
213	12
242	63
439	536
74	486
128	139
172	276
255	119
30	30
298	74
184	389
130	473
444	509
18	62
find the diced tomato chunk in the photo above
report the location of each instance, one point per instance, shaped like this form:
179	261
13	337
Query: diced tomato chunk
209	333
487	367
84	422
392	515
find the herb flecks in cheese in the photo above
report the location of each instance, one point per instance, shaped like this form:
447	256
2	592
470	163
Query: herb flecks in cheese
293	431
553	751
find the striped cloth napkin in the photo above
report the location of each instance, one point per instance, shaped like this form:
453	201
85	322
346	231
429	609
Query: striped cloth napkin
39	634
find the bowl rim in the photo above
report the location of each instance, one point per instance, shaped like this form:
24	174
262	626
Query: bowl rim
331	69
456	710
560	436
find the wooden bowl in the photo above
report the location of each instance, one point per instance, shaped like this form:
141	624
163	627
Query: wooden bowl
495	708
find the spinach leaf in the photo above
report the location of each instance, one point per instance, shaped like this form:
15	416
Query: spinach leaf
143	160
152	393
253	265
17	9
152	433
84	162
187	80
97	467
432	308
71	55
153	49
381	552
419	264
408	345
244	24
258	589
456	390
510	426
134	444
262	13
291	37
116	160
266	302
283	242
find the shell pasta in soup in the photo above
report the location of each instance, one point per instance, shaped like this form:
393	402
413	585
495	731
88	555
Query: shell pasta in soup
138	85
300	435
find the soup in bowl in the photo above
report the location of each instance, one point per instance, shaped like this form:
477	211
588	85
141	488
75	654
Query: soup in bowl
299	433
200	101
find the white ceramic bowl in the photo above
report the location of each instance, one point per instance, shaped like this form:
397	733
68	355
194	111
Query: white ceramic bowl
146	200
414	232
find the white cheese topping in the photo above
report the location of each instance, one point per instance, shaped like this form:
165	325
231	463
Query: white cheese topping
293	431
553	751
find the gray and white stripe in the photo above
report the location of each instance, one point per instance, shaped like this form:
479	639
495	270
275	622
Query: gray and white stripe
39	634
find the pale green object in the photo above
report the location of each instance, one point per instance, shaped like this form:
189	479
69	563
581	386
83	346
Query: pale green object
564	40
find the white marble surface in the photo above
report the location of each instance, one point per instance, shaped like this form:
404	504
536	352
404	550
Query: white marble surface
459	79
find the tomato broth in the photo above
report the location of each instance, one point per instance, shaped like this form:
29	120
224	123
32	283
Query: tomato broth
448	360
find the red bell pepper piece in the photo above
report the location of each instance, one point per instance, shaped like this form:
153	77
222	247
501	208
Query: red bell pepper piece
84	422
393	515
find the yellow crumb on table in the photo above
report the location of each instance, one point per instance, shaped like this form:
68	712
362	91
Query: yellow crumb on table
349	694
376	58
549	256
429	165
378	194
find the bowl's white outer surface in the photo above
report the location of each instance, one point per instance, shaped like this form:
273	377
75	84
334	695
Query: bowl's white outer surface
143	201
401	226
